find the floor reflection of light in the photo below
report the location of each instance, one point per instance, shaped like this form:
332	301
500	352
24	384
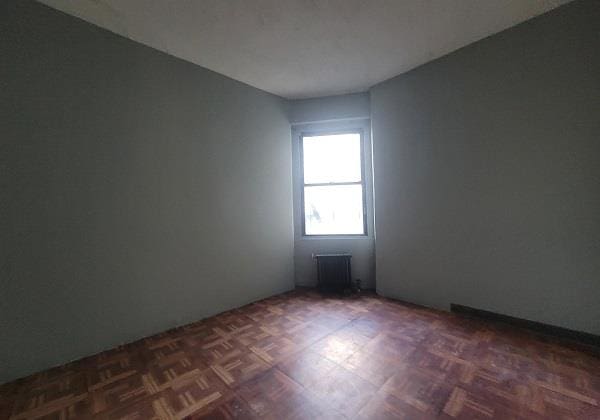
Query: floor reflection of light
338	347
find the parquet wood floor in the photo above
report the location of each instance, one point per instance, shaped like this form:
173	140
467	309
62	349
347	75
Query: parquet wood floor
304	356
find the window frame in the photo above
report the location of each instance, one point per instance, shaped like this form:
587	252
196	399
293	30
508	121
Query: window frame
362	182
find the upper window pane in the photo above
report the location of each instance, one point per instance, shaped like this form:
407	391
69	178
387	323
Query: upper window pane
332	158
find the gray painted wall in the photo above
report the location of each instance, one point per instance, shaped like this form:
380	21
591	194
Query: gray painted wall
332	113
487	179
138	191
330	108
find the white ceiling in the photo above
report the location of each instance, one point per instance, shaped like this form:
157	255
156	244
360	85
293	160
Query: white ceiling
306	48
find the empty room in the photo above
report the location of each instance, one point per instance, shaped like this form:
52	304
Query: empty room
299	209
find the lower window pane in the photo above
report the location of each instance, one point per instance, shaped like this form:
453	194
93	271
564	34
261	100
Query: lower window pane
333	210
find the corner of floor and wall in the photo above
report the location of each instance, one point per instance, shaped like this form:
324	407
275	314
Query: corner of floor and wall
487	182
140	192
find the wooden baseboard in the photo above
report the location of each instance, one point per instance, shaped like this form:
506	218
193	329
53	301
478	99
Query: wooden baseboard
538	327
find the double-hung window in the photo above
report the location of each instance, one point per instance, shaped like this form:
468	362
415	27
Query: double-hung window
333	184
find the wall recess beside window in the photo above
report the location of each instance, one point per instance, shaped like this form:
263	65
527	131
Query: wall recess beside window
333	184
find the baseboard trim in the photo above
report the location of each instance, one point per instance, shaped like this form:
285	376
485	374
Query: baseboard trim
580	337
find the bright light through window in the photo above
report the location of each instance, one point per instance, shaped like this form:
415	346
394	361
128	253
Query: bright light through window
333	184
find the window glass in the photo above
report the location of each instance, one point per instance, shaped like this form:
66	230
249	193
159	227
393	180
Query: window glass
332	158
333	196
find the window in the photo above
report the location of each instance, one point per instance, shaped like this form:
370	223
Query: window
333	190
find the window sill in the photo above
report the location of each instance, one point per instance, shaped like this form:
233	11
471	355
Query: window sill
335	237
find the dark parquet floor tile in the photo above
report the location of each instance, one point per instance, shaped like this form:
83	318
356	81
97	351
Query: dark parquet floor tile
301	355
